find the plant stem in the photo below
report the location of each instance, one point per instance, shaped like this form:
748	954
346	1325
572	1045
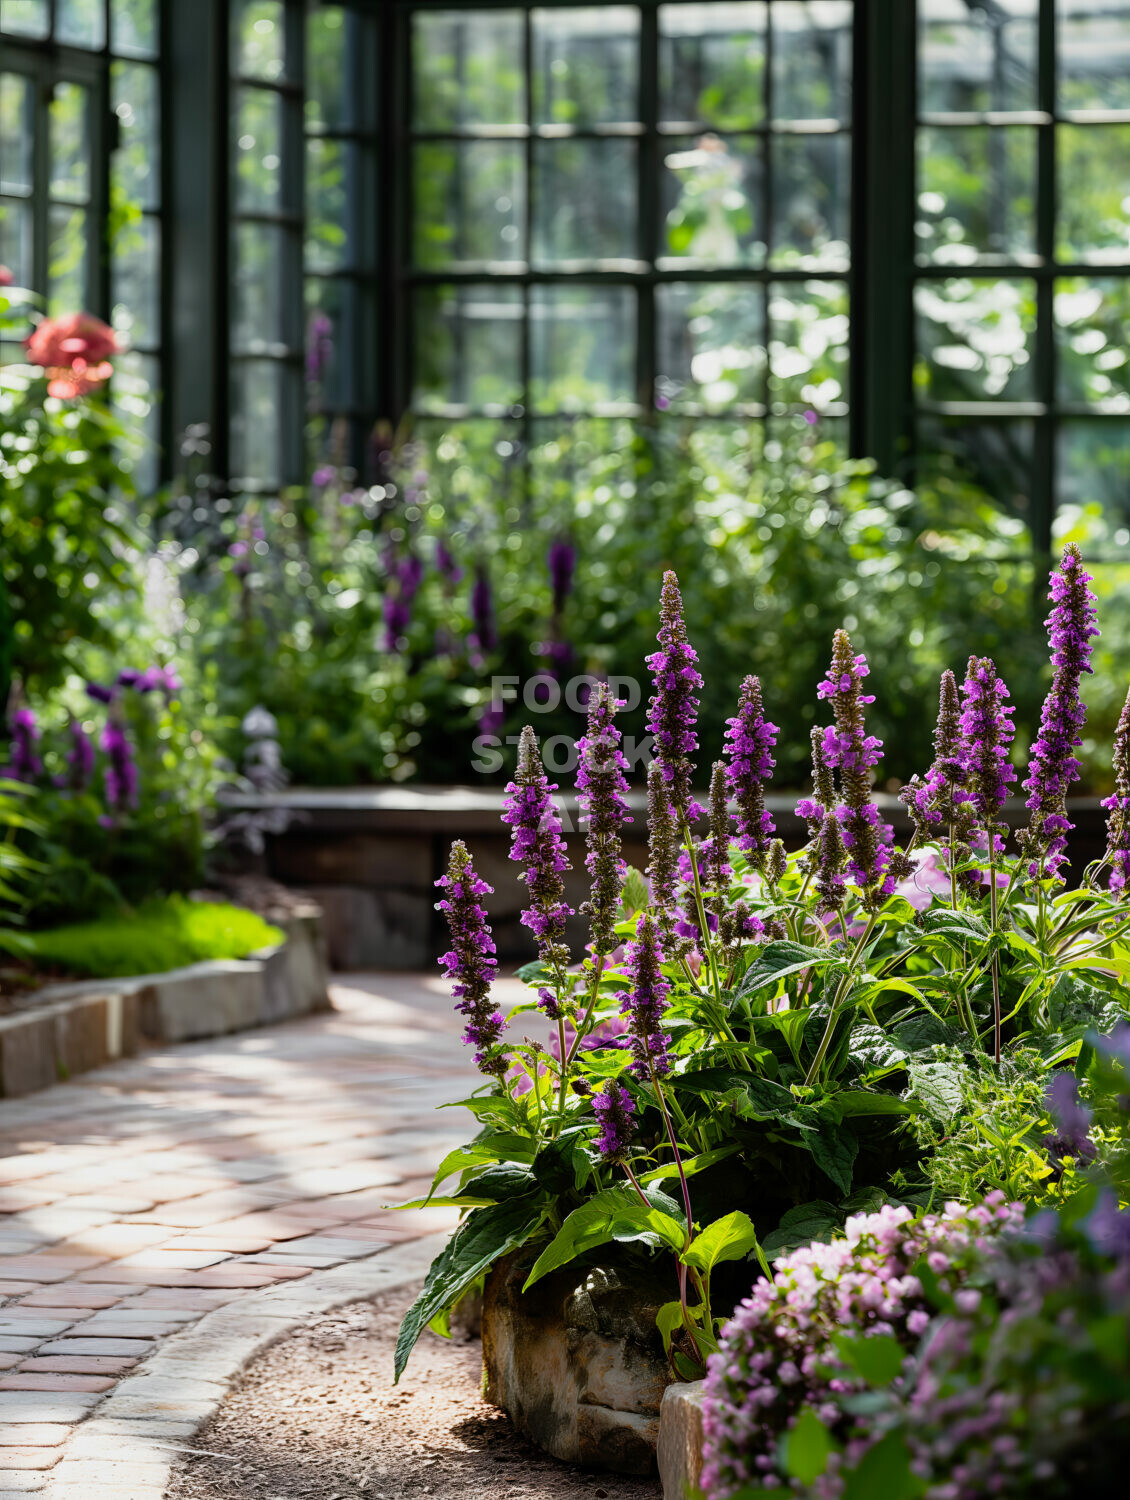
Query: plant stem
841	990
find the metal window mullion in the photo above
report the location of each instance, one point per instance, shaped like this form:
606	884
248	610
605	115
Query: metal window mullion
767	201
40	172
648	170
292	190
526	370
1044	444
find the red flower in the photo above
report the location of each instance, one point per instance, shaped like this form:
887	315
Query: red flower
73	351
6	277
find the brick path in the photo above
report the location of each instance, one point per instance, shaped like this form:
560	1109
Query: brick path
138	1198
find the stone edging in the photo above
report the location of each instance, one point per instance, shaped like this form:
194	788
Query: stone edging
127	1448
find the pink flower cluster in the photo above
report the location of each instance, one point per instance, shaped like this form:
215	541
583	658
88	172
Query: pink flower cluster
74	350
778	1354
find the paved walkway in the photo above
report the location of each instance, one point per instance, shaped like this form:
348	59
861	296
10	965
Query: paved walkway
137	1199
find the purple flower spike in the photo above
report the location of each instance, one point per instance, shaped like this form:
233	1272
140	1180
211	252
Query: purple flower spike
537	844
987	731
601	790
99	694
644	1004
614	1109
715	870
1118	806
121	773
80	758
562	563
446	566
26	764
814	809
471	963
1073	1119
855	753
482	612
673	710
1053	765
751	738
663	846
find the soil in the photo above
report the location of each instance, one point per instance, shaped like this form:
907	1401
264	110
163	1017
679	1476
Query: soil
317	1418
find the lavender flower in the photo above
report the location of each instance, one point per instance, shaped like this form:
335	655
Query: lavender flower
562	562
80	757
26	764
855	753
484	635
987	731
932	801
1073	1119
614	1109
663	844
1118	806
814	809
1053	765
319	347
446	566
643	1005
673	709
537	844
601	789
751	738
715	870
471	963
830	859
120	775
100	694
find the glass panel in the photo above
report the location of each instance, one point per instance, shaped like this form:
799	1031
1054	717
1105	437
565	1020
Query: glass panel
584	200
1093	68
808	344
979	57
82	23
15	241
468	343
327	335
468	69
137	281
1094	192
258	39
811	59
1093	467
995	456
1091	319
469	202
136	163
326	234
582	346
258	150
24	17
133	27
70	143
712	193
326	68
976	192
66	259
586	65
17	133
255	420
811	201
975	339
257	320
134	390
712	64
710	343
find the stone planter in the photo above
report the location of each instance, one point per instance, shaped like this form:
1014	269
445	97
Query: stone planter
680	1439
577	1363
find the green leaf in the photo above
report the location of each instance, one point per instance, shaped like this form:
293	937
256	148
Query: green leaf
634	894
667	1319
961	926
729	1238
877	1359
885	1471
777	960
818	1220
485	1236
691	1166
754	1098
937	1087
920	1033
864	1102
806	1448
834	1152
614	1214
561	1166
535	973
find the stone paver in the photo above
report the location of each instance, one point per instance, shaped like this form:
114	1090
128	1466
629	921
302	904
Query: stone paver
194	1182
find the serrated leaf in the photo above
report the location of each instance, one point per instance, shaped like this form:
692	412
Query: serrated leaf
535	973
960	926
937	1087
778	959
818	1220
614	1214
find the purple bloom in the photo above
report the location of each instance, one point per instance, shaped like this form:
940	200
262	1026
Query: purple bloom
80	757
1118	806
715	870
1053	765
446	566
644	1004
987	731
1108	1226
663	845
319	347
100	694
1073	1119
601	789
323	477
830	859
537	844
121	772
471	962
26	764
484	635
492	719
562	563
814	809
673	710
397	614
130	676
848	748
751	738
614	1109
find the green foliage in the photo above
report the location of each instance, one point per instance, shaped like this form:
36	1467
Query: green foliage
158	936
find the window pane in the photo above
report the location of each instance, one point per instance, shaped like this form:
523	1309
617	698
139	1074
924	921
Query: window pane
1091	320
1094	192
712	64
995	456
1094	467
326	237
468	343
808	344
975	339
257	320
1093	70
467	69
17	132
976	192
712	192
82	23
811	59
811	201
66	259
584	201
133	27
134	391
15	240
255	420
258	39
136	163
977	57
469	202
24	17
710	340
582	346
70	143
586	65
137	281
326	68
258	150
